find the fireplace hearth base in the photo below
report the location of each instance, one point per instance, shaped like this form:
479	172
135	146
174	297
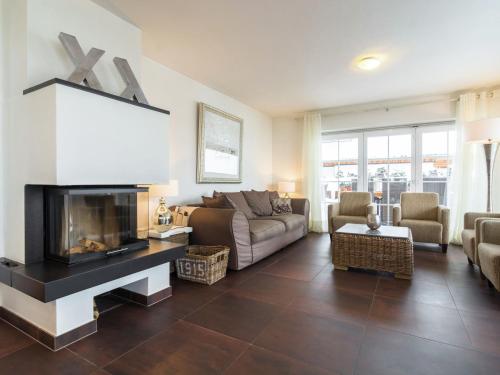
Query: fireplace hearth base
53	303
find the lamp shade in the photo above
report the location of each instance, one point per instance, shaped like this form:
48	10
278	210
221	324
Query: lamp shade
286	187
170	190
483	131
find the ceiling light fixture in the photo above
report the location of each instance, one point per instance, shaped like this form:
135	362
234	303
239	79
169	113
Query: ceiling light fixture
368	63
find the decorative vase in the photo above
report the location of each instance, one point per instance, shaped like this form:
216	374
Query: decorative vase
162	218
373	221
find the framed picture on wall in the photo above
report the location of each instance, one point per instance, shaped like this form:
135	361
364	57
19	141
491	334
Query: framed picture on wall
219	146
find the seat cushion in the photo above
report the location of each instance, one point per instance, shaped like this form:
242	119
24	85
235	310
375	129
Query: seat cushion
424	230
238	201
339	221
354	203
469	243
489	256
419	206
291	221
261	230
259	202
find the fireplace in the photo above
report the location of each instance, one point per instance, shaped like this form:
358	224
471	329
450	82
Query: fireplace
84	223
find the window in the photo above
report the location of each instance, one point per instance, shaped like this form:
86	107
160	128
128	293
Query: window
387	163
340	167
390	168
436	160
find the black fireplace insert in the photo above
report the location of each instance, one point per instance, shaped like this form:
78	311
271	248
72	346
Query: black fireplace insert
83	223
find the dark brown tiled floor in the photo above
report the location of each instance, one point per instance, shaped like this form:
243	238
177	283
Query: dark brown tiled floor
292	314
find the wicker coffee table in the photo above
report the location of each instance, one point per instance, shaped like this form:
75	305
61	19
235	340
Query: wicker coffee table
388	249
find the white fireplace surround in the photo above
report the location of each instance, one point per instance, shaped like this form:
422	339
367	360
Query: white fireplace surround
69	136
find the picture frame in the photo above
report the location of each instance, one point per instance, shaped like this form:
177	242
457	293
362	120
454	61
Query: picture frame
220	136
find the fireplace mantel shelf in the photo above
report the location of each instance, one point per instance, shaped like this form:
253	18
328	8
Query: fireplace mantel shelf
49	280
93	91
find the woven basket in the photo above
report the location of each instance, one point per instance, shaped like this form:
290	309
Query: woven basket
203	264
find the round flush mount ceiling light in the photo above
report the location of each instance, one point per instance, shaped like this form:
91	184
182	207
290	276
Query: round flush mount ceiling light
369	63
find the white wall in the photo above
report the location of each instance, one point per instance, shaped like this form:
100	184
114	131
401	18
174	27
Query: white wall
287	151
168	89
93	26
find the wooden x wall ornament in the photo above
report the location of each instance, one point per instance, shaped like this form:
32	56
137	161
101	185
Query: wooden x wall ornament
133	90
83	63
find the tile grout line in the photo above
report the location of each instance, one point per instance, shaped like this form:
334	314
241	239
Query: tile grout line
365	328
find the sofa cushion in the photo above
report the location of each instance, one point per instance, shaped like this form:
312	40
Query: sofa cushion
281	206
424	230
273	195
419	206
261	230
354	203
259	202
469	243
291	221
238	202
340	221
219	201
489	256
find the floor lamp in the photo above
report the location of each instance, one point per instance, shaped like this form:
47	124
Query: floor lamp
486	132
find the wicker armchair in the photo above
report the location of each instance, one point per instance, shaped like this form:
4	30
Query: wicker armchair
488	250
352	207
472	224
427	219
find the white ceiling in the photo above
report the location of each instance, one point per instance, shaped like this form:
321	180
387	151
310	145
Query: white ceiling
284	56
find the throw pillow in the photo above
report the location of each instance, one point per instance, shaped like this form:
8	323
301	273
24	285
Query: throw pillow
237	200
273	195
259	202
282	206
219	201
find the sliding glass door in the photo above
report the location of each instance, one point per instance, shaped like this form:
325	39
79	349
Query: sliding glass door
387	163
390	167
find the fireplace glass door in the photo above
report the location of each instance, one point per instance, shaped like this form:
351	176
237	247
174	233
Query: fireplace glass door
89	223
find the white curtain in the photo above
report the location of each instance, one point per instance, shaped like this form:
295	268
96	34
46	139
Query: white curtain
468	188
311	168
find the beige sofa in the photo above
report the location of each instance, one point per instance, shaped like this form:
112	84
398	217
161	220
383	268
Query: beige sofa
488	250
427	219
352	207
250	237
472	224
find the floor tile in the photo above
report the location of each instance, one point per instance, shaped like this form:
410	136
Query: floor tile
271	289
476	299
264	362
12	339
184	348
354	280
323	342
483	329
188	296
121	329
294	270
330	301
386	352
419	319
36	359
431	293
235	316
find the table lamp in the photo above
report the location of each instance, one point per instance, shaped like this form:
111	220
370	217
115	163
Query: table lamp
286	187
162	216
486	132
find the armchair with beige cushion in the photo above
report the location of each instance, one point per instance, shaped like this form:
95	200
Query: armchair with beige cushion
353	207
488	250
472	224
427	219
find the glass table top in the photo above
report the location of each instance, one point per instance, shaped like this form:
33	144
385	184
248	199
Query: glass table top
383	231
